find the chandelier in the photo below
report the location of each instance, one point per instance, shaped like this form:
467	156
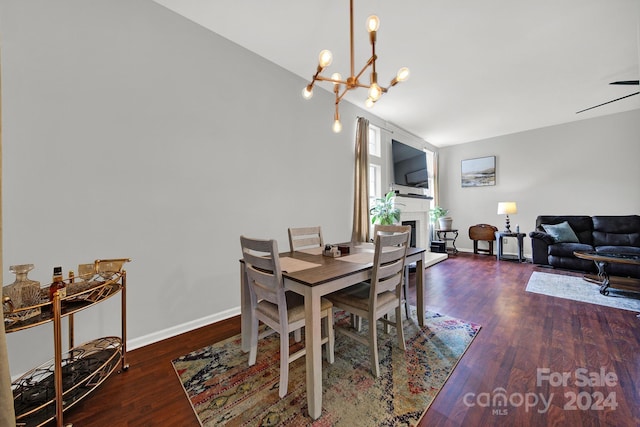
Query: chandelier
340	86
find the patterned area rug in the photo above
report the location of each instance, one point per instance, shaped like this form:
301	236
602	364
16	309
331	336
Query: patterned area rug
577	289
224	390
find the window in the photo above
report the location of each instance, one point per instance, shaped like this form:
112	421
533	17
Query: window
375	164
375	182
374	141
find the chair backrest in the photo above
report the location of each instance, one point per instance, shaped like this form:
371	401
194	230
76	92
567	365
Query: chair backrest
305	238
388	263
262	267
482	232
390	229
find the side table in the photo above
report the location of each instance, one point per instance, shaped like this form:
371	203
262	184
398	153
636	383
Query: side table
500	246
443	236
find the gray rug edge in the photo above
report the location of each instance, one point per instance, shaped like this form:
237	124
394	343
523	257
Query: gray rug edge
577	289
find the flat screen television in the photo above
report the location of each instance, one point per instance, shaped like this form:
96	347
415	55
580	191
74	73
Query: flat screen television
409	165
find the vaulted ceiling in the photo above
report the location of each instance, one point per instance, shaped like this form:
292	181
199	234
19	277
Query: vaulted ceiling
479	68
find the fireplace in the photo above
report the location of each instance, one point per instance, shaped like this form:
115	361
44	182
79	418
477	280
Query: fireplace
415	212
412	238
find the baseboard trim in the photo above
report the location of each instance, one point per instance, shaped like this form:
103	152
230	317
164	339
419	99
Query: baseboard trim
171	332
430	259
181	329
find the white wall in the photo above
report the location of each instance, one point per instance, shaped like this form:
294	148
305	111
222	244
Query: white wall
589	167
130	131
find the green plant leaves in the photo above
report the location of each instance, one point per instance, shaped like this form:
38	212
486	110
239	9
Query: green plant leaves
385	211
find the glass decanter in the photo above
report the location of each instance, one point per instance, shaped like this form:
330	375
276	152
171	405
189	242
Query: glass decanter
24	292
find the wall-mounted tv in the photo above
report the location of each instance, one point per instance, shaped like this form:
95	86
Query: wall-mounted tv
409	165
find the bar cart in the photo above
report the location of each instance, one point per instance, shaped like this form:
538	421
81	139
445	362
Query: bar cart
45	392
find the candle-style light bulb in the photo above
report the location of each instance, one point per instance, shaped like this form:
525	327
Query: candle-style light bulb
403	74
375	92
325	58
336	76
307	92
373	23
337	126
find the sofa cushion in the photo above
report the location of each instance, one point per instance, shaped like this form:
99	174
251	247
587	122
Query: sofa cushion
582	225
561	256
567	249
616	230
561	233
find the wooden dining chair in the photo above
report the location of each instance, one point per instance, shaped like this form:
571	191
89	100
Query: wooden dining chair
305	238
378	228
373	301
282	311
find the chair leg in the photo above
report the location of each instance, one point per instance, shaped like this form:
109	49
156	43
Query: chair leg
399	329
330	335
284	362
406	290
297	335
253	341
373	347
356	322
386	324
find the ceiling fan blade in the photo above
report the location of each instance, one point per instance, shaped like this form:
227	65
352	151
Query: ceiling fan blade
625	82
605	103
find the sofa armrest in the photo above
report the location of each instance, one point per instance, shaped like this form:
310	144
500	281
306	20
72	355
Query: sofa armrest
540	247
542	236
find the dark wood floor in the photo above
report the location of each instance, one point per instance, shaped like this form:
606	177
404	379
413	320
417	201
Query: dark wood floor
521	333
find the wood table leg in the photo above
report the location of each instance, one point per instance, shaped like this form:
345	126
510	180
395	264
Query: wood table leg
313	345
420	298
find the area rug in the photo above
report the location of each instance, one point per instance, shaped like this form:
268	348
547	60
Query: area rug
224	390
577	289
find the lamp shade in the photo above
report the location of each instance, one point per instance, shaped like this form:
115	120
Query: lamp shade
507	208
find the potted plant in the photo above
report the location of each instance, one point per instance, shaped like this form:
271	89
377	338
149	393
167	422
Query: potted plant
384	211
439	215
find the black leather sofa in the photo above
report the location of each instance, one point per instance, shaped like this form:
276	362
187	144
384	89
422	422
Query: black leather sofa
594	233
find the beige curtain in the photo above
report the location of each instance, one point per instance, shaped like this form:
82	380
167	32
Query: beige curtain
360	231
7	416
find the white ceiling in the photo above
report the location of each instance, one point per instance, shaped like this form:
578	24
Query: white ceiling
479	68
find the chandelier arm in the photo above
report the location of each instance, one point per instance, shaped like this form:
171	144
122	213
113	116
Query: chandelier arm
362	85
356	78
339	98
328	79
351	36
373	50
316	76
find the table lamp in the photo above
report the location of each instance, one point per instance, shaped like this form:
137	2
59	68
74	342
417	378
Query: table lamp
506	208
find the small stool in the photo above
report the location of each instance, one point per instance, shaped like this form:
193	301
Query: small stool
483	232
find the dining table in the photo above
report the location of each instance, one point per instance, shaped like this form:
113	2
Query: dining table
311	274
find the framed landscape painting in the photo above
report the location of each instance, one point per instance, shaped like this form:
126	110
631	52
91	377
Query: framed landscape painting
479	172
